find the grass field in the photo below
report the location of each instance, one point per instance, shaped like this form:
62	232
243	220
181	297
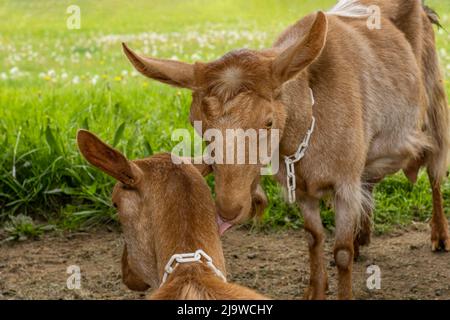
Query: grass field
54	80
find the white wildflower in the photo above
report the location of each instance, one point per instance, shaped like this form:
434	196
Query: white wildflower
94	80
14	71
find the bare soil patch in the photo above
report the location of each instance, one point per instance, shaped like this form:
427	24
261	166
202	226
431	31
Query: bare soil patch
274	263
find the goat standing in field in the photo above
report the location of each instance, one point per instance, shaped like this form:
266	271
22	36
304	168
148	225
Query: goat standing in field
165	210
380	107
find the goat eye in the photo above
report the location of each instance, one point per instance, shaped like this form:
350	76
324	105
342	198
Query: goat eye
115	205
269	124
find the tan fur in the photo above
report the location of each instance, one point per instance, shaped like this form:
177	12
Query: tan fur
380	108
164	209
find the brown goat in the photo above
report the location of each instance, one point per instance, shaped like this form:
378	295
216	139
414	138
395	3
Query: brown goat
380	107
164	209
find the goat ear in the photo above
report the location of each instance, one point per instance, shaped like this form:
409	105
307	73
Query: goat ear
175	73
301	54
107	159
129	278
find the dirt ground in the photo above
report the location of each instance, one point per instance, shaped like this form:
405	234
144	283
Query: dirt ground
274	263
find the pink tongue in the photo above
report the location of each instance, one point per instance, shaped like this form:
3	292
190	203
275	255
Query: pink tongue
223	226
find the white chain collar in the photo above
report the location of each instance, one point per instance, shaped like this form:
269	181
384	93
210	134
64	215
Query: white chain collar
189	258
290	161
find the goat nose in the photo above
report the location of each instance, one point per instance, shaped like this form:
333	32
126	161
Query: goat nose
229	212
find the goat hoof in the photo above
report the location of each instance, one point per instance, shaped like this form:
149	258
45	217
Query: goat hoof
440	245
312	293
307	295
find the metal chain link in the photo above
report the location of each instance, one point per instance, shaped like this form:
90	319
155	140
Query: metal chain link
290	161
190	258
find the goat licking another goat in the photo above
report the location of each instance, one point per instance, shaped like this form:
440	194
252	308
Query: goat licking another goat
353	102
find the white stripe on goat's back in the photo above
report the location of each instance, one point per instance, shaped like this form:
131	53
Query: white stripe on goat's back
349	8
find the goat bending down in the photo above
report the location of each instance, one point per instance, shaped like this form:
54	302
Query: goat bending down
165	209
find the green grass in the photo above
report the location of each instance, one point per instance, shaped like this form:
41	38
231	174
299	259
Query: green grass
54	81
